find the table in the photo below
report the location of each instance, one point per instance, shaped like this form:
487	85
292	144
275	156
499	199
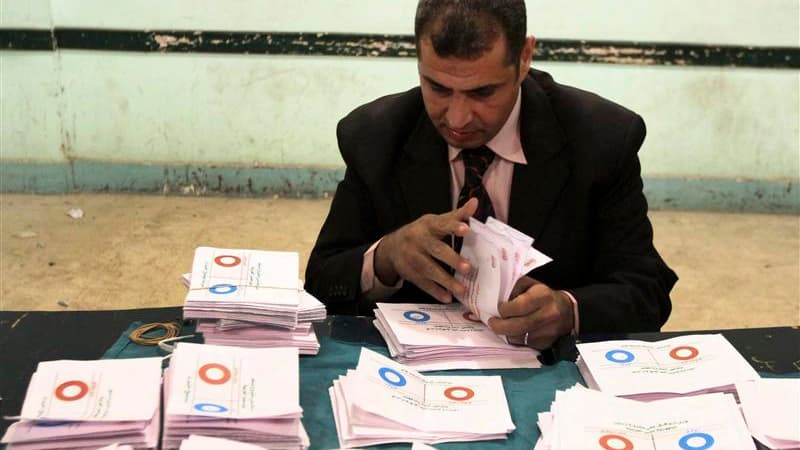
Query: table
29	337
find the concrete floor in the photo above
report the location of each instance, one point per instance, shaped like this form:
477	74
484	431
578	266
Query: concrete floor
736	270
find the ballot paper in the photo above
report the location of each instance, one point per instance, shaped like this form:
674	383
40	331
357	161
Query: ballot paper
382	401
252	285
235	382
80	404
103	390
499	256
441	337
195	442
771	408
246	394
581	419
248	298
684	365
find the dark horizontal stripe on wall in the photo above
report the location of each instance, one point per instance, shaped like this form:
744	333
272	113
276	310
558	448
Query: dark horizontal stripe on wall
377	45
763	196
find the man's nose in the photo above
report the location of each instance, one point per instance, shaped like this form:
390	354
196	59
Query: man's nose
459	112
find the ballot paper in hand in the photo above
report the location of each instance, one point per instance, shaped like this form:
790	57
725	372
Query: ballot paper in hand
580	418
771	408
684	365
382	401
499	256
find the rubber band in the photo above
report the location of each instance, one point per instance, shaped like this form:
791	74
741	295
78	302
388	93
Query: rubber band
171	329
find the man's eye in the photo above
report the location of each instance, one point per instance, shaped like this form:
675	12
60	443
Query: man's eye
439	88
483	92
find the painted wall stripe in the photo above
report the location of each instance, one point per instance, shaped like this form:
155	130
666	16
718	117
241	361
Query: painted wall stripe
83	176
386	45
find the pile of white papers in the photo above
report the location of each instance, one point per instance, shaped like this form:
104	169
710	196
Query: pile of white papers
382	401
771	409
685	365
582	419
248	394
440	337
80	404
246	334
251	298
195	442
499	255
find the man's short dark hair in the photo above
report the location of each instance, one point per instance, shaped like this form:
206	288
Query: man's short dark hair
467	29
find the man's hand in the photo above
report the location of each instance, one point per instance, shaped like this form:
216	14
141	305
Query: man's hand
535	309
411	252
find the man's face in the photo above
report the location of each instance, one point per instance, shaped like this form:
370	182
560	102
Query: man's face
469	100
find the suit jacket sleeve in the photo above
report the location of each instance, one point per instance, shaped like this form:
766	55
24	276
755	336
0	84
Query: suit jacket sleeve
630	283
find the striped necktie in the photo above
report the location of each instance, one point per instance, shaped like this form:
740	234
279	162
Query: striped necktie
476	161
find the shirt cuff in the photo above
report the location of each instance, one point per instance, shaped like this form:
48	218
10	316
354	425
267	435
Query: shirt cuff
575	316
371	285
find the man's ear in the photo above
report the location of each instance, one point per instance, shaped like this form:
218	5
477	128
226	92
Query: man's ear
526	56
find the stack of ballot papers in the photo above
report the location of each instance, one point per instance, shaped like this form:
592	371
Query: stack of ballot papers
580	418
195	442
251	298
382	401
771	408
441	337
685	365
90	404
248	394
499	256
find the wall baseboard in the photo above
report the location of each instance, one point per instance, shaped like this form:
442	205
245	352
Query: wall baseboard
758	196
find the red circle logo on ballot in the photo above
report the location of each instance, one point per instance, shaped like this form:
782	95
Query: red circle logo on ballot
213	373
227	260
684	353
615	442
459	393
69	391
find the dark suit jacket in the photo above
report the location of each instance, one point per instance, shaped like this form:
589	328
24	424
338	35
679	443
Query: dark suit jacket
580	196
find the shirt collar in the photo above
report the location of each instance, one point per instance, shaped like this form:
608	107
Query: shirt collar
506	143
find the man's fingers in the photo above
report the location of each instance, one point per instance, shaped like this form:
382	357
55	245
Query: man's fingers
467	210
444	253
523	284
515	326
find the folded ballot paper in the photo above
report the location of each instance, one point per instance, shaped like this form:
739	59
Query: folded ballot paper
80	404
441	337
500	256
580	418
771	408
685	365
382	401
248	394
251	298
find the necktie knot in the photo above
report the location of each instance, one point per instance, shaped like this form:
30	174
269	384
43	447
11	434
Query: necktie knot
477	160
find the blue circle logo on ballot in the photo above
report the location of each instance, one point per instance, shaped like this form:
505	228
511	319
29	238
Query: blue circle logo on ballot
222	288
696	441
392	377
417	316
619	356
210	408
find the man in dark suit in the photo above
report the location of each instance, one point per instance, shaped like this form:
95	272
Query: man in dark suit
482	135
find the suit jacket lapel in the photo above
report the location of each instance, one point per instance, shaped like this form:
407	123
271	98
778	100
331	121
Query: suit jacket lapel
536	187
423	171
